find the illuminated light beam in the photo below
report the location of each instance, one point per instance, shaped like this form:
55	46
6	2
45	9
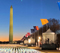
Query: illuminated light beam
59	4
21	0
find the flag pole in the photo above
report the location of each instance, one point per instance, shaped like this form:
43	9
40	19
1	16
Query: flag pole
35	38
34	34
42	34
46	27
59	24
44	21
38	36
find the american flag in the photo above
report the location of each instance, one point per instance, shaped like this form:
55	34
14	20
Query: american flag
32	30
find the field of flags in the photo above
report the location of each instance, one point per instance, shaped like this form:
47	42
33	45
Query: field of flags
17	50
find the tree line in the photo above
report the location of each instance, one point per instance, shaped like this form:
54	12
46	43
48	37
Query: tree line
53	24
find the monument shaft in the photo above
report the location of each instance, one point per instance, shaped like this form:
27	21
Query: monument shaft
11	25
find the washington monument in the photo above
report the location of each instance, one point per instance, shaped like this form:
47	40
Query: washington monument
11	25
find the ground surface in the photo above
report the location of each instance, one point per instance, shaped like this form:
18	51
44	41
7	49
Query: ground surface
45	51
36	48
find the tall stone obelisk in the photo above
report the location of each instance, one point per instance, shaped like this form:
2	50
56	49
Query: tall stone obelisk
11	25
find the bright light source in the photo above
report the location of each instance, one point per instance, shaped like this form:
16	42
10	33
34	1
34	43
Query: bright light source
29	41
39	37
38	40
59	48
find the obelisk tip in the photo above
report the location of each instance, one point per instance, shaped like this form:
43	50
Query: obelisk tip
11	6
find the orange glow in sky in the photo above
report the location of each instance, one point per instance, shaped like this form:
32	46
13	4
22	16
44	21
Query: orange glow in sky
6	38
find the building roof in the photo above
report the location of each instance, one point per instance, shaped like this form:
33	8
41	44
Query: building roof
49	32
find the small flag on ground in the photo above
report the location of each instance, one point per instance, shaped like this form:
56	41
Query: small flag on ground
44	21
